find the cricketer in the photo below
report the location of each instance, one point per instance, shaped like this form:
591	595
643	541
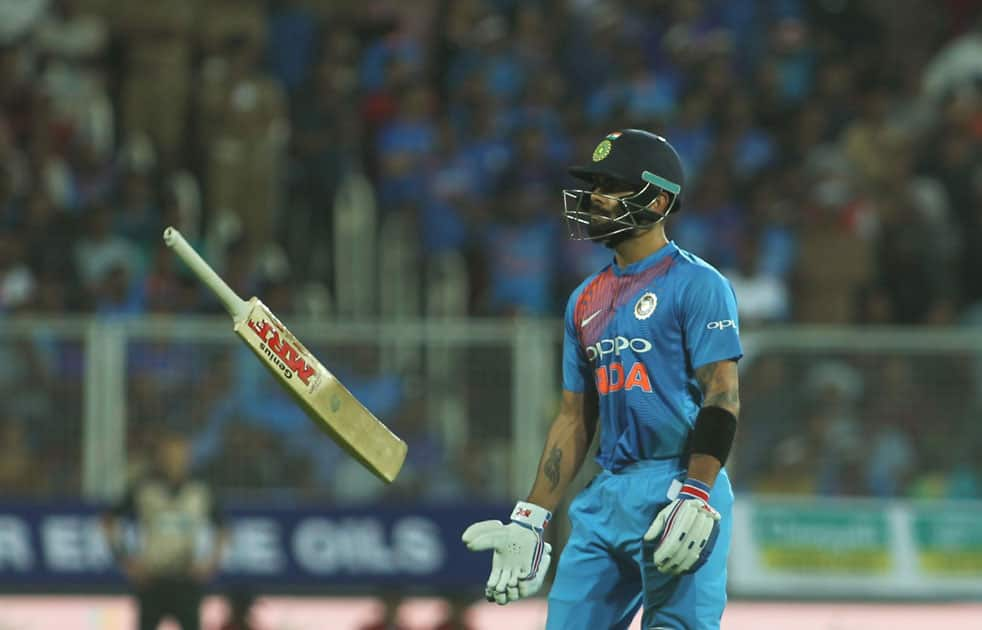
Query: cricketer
650	355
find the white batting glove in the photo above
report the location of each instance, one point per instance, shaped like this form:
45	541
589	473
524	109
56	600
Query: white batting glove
685	531
521	557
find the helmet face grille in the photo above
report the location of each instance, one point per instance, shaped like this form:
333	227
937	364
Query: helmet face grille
585	221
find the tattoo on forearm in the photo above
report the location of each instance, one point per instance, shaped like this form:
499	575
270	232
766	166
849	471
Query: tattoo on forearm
718	390
726	398
551	467
706	375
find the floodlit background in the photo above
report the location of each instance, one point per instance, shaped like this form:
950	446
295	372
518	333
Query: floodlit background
386	175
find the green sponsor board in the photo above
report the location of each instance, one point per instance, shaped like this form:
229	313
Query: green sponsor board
949	542
805	538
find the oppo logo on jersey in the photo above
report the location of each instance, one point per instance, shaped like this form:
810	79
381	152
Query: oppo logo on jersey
613	377
606	347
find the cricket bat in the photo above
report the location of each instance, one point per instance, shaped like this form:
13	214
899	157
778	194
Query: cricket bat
328	403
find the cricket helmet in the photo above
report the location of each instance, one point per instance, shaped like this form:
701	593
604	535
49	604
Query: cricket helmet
644	163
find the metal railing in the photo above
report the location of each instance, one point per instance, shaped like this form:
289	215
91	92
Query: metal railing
510	365
485	387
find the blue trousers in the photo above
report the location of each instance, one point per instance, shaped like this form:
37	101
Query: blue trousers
605	571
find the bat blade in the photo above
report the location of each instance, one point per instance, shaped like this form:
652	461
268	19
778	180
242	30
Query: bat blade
328	402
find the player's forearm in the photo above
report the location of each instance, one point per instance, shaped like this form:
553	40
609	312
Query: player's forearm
566	448
721	397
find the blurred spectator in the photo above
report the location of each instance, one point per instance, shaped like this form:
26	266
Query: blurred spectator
520	251
47	236
833	391
19	18
898	404
101	253
711	225
748	147
156	92
957	64
766	403
245	142
85	179
117	294
918	283
835	263
22	470
761	297
225	20
293	32
469	474
636	93
892	461
138	213
870	138
692	136
17	281
405	147
253	421
71	47
164	291
172	511
325	144
789	469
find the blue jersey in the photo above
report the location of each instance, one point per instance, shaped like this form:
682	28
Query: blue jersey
637	334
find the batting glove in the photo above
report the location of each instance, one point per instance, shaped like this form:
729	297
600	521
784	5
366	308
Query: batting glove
521	557
685	531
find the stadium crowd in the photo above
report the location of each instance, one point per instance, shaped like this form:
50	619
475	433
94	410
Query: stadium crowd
832	152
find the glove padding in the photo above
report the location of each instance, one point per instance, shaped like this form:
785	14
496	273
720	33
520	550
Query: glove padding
685	531
521	557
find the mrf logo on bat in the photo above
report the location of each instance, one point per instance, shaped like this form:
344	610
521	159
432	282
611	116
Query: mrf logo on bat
287	358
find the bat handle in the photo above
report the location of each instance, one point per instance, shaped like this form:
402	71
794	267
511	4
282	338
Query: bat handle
233	303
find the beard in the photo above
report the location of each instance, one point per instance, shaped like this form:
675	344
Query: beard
600	227
614	240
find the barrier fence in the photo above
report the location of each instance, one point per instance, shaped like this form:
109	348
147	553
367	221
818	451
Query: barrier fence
884	414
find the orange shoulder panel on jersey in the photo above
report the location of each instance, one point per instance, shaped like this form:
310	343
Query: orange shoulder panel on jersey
601	298
591	313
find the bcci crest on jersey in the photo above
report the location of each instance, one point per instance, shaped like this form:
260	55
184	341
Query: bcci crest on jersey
646	305
613	377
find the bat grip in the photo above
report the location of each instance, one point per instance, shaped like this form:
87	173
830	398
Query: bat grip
232	302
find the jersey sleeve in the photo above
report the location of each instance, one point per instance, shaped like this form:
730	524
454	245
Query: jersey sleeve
576	367
709	320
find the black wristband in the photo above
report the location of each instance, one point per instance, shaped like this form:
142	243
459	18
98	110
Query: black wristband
714	432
